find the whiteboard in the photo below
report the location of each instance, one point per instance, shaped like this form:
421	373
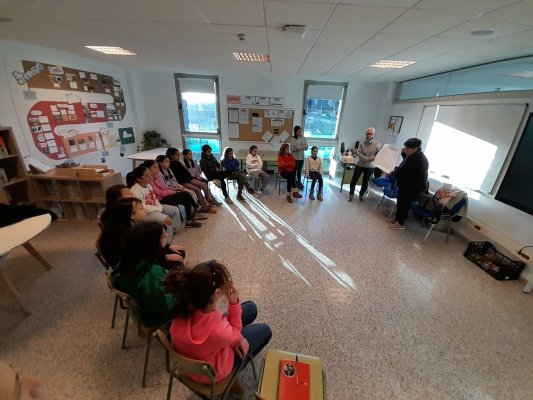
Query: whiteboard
493	124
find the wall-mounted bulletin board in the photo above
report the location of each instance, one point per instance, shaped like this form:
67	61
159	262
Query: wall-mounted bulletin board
270	123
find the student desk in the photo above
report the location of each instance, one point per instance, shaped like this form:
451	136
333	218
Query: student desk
18	234
268	382
347	171
146	155
266	155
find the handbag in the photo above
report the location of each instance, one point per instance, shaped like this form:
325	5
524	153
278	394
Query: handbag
430	203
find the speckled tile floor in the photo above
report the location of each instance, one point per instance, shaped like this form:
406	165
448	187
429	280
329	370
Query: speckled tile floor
388	316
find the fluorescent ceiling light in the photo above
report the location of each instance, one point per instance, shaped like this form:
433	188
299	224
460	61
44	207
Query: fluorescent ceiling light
523	74
391	64
251	57
482	32
118	51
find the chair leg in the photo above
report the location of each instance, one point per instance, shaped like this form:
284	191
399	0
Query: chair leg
114	312
146	357
428	232
449	229
253	367
392	211
381	201
170	382
125	330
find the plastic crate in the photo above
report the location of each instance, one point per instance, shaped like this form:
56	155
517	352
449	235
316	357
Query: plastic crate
486	257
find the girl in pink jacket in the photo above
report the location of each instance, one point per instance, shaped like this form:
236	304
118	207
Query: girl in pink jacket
200	331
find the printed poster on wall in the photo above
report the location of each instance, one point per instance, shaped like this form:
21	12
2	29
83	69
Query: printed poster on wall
126	135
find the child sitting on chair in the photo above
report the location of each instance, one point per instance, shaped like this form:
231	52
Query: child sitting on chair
231	164
200	331
313	170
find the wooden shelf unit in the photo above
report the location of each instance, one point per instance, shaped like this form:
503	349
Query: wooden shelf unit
79	192
18	189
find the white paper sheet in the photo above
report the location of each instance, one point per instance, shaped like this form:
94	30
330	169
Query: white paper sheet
277	101
277	122
387	158
43	119
233	130
285	114
46	127
244	116
262	101
73	84
257	124
271	113
267	136
247	100
283	136
49	136
233	115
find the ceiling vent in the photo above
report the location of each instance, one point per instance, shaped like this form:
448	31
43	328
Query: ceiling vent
294	31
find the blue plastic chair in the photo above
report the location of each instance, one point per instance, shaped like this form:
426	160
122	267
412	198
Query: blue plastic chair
435	217
380	182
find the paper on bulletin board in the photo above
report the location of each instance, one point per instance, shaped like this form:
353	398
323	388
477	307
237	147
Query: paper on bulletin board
283	136
285	114
262	101
271	113
277	101
244	116
267	136
276	141
233	115
247	100
277	122
387	158
233	130
257	124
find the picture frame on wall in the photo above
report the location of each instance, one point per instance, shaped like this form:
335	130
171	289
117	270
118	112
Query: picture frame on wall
395	124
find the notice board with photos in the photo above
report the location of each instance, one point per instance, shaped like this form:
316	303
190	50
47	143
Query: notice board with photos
260	124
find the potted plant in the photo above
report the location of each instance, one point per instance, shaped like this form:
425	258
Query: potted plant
151	140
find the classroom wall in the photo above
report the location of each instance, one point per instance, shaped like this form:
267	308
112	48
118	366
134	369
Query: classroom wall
366	104
504	225
14	108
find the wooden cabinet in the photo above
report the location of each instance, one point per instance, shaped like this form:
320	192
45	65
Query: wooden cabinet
79	192
15	187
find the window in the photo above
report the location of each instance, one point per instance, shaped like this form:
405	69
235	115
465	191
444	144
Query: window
198	104
326	153
323	107
195	145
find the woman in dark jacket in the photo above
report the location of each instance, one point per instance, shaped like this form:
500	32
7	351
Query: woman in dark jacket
411	180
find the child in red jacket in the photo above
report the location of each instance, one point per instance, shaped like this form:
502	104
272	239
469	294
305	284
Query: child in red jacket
201	332
286	168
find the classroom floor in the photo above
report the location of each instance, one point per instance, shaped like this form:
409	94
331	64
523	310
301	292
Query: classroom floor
388	316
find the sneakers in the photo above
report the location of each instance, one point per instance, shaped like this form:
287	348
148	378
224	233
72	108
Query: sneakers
300	186
297	195
258	194
240	198
250	190
206	210
228	200
214	202
289	198
216	182
192	224
350	198
396	226
319	197
311	196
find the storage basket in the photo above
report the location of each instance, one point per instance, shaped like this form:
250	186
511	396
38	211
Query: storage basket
500	267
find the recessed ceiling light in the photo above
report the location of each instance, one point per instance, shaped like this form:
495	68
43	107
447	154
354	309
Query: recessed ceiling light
5	19
251	57
392	64
117	51
482	32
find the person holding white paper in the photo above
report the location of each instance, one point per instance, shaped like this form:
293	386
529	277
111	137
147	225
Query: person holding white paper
366	153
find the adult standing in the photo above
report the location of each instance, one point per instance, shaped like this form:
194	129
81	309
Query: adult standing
298	146
366	154
411	180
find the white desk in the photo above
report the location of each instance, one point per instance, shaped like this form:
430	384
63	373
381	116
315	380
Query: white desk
18	234
146	155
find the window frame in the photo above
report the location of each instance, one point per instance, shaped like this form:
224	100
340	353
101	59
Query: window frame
308	83
180	106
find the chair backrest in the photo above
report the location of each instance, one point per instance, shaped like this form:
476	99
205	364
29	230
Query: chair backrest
183	367
457	207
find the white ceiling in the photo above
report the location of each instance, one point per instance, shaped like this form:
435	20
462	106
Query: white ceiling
343	37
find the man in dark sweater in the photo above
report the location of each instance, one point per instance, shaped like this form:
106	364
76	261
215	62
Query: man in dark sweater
411	180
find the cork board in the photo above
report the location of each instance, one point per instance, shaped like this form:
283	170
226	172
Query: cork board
253	123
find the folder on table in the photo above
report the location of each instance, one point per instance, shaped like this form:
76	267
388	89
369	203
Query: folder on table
294	380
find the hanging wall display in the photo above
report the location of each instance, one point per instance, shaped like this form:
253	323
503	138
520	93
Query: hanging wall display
79	124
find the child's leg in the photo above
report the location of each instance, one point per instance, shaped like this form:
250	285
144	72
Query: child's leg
312	175
249	312
320	181
263	180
